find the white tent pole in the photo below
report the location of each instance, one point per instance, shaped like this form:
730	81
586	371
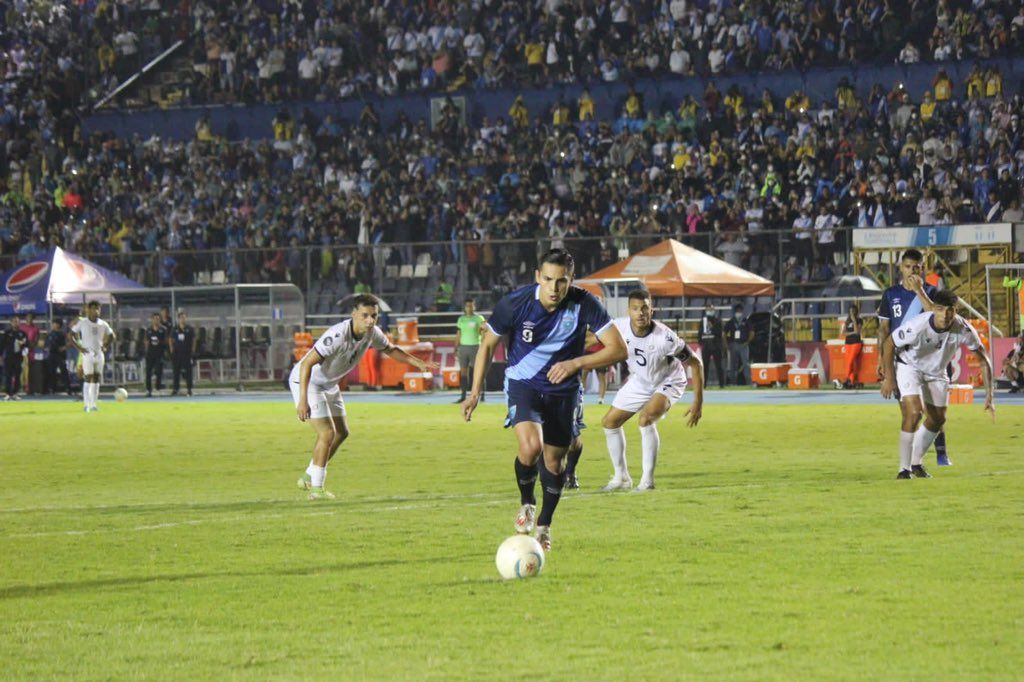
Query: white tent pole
238	340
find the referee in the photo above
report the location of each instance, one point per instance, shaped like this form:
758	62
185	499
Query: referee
467	342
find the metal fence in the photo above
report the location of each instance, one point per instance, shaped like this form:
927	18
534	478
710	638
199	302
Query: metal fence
472	267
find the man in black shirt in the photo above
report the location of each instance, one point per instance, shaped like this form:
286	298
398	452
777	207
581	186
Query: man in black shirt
182	343
712	343
156	345
739	334
13	346
57	360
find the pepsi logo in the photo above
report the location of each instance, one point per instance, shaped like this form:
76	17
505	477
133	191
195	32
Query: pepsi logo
26	276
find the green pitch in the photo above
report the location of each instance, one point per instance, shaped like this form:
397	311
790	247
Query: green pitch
168	541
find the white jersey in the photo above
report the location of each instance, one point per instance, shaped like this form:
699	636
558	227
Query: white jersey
341	352
91	334
929	351
656	358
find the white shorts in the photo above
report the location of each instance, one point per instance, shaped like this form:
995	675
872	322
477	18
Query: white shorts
912	381
323	402
92	363
635	394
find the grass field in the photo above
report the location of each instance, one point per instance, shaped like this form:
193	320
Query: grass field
167	541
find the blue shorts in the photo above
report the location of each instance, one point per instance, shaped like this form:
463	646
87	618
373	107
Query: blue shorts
556	413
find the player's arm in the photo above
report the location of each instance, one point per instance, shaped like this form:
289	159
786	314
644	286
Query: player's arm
887	365
311	359
917	286
399	355
108	340
614	351
484	355
696	410
883	334
986	375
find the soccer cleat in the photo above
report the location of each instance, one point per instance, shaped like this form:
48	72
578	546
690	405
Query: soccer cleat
918	471
618	483
836	384
572	482
320	494
544	537
904	473
644	486
305	483
526	519
943	460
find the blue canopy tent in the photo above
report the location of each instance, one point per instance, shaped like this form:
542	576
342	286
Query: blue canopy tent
58	278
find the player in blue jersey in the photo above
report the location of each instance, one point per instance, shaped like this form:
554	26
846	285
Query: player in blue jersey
545	325
901	303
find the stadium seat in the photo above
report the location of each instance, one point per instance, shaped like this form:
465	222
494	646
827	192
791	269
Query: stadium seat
202	349
405	271
422	270
423	259
218	277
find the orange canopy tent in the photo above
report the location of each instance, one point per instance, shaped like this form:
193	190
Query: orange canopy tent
674	269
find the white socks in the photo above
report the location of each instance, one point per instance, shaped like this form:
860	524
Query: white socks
923	439
616	439
90	392
649	442
316	475
906	450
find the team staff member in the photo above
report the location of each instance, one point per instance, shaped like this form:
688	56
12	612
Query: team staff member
156	344
712	342
14	343
739	333
57	360
182	343
467	343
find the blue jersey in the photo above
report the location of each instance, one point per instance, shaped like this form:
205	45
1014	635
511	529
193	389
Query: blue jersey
537	339
899	305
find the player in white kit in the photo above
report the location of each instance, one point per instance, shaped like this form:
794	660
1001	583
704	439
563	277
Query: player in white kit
914	359
657	362
92	337
314	383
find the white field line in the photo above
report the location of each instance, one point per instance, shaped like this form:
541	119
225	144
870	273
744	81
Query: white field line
433	504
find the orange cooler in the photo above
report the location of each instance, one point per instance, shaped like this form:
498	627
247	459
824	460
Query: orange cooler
769	373
452	378
803	379
961	394
418	382
838	363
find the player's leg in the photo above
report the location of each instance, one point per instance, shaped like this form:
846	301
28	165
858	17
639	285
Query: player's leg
650	441
530	439
559	414
572	459
323	426
629	400
941	453
909	382
934	397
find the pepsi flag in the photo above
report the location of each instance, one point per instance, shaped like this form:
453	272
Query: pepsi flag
57	277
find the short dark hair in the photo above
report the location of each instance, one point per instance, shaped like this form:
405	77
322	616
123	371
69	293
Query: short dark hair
945	297
57	321
365	299
469	300
155	315
639	295
558	257
912	254
92	304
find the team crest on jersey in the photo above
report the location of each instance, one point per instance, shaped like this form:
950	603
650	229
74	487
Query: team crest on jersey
328	341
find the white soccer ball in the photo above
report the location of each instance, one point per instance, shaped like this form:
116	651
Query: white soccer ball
120	395
520	556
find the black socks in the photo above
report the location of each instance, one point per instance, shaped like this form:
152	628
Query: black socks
552	486
526	477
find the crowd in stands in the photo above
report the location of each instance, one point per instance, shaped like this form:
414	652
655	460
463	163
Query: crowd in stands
717	171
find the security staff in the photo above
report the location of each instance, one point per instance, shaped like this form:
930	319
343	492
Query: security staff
182	343
712	343
467	343
57	360
14	344
739	334
156	346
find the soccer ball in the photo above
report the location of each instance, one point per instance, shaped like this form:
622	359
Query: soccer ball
120	395
520	556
